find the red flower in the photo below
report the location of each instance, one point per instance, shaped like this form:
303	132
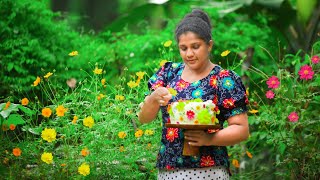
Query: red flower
306	72
228	103
172	133
190	114
182	85
273	82
293	117
207	161
270	94
224	73
157	84
215	100
168	167
315	59
213	82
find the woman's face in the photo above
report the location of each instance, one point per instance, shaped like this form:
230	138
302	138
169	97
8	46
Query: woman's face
194	50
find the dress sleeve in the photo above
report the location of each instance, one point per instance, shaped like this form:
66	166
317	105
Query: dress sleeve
160	78
232	99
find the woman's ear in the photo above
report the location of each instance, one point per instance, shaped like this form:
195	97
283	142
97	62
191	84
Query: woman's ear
210	45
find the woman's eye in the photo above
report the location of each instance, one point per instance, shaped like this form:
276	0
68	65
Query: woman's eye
196	47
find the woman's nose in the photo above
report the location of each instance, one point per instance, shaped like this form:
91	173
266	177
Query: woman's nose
189	53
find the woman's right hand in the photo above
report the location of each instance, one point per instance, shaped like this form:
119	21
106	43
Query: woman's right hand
161	95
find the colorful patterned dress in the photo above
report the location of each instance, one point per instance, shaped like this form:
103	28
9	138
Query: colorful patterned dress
224	87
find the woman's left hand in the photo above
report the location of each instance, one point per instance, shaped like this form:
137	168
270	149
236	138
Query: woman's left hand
198	137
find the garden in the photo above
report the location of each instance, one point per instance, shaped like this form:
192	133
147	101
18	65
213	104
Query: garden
70	92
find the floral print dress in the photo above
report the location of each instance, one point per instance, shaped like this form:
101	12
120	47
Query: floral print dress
222	86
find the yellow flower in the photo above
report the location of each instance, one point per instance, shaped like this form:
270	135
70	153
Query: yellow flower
47	157
122	134
249	154
138	133
48	75
60	110
162	62
85	152
37	81
119	97
49	134
132	84
75	118
225	53
88	121
103	81
253	111
167	43
235	163
7	105
46	112
149	132
172	91
84	169
74	53
24	101
121	148
97	71
140	74
247	91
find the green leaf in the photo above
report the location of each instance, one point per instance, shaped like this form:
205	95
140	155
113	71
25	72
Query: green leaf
10	66
282	148
15	119
26	110
7	112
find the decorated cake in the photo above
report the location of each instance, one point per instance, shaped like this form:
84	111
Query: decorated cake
193	112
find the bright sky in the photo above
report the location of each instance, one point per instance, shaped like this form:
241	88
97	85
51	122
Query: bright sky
158	1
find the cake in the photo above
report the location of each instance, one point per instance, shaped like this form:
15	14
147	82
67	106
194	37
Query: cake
193	112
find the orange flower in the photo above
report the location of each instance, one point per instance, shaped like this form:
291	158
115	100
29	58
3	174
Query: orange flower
46	112
103	81
16	152
85	152
24	101
12	127
62	165
249	154
7	105
235	163
60	110
75	118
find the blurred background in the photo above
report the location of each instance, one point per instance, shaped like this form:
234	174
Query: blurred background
34	35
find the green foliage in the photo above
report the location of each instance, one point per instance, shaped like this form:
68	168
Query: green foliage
290	146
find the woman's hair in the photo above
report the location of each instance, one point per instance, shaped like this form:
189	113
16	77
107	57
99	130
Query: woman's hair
197	22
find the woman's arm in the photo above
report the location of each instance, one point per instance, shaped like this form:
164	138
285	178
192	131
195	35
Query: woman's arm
237	131
151	105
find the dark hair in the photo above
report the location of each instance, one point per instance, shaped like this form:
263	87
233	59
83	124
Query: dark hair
198	22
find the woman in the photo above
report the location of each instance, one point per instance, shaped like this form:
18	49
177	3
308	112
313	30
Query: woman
196	77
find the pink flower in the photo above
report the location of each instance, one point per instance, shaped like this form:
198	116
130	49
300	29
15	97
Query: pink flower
270	94
273	82
315	59
293	117
306	72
